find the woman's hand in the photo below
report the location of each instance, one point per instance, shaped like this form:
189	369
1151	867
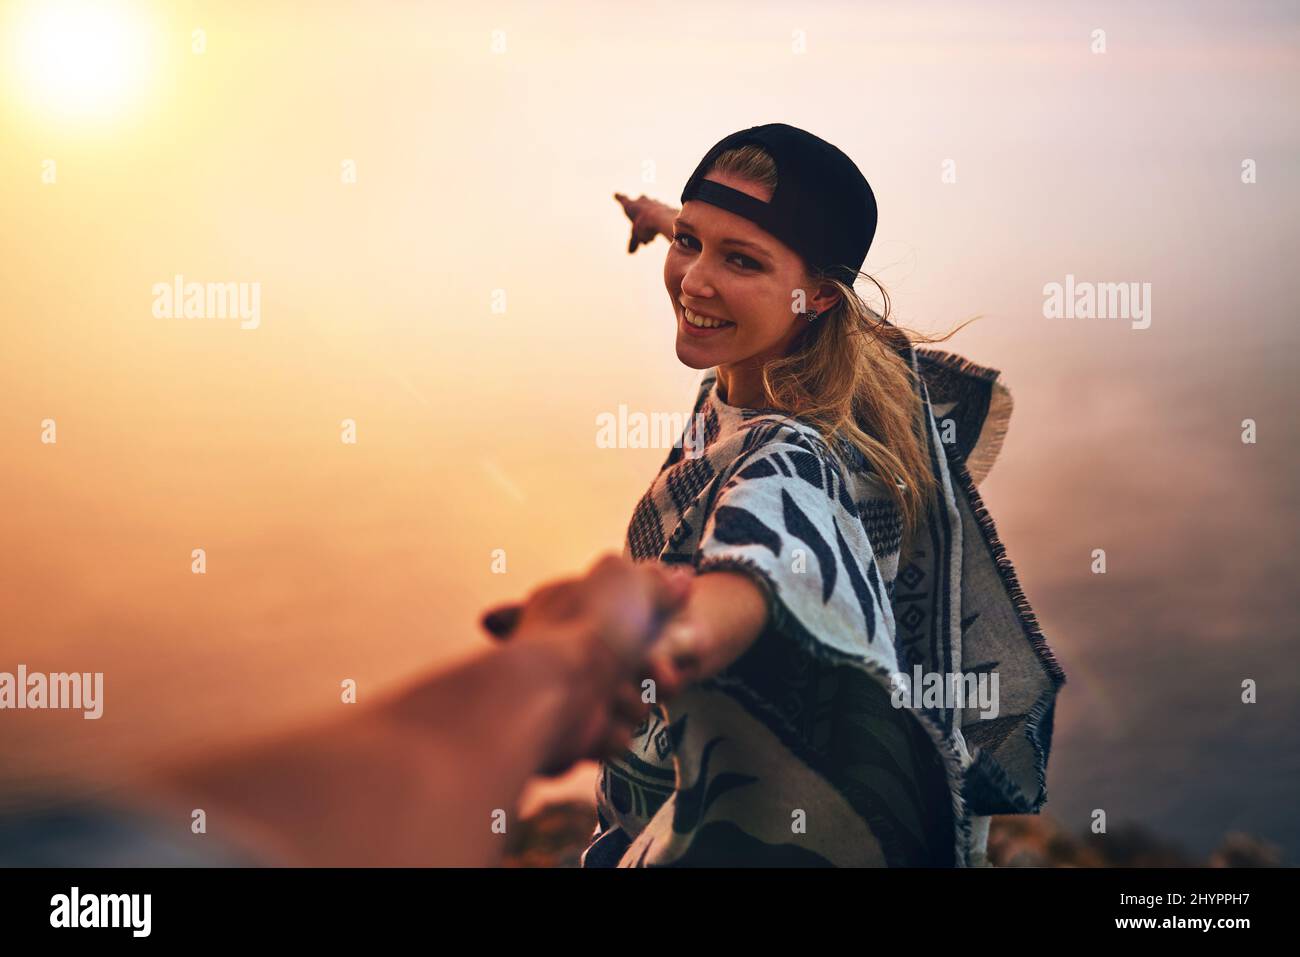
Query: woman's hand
725	613
649	218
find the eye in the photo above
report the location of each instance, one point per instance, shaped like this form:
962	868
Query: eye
745	262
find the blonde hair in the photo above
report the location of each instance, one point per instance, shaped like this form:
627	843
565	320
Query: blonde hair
845	377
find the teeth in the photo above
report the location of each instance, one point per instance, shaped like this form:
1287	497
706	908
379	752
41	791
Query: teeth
702	322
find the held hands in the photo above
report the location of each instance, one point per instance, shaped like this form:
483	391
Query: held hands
598	629
649	217
624	623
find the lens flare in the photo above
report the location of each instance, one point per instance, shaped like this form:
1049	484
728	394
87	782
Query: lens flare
76	59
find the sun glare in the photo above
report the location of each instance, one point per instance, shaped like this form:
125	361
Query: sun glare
78	60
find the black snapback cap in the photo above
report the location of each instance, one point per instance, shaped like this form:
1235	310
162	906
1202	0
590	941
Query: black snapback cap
822	208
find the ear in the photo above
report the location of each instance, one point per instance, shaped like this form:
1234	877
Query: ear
819	296
826	297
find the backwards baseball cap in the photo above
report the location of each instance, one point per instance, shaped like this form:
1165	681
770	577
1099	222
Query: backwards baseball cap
822	208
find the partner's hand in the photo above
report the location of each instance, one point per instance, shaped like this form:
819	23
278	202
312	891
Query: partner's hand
649	217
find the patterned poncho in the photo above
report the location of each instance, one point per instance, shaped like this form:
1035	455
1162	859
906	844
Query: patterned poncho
817	746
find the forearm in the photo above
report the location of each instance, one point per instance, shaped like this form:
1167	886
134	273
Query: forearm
418	779
726	613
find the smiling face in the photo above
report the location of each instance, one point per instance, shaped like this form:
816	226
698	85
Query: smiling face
725	268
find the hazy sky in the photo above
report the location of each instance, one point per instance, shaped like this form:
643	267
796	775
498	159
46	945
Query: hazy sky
467	299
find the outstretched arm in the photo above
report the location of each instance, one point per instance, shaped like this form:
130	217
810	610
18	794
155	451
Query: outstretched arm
420	777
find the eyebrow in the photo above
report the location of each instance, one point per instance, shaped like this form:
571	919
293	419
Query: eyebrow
732	241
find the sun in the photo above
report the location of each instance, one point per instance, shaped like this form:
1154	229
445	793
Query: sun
78	59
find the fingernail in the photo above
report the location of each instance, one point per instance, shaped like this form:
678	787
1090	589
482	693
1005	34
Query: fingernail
680	637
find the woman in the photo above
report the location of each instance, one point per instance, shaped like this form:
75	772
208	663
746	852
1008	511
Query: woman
841	553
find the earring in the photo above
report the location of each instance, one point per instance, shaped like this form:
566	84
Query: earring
811	315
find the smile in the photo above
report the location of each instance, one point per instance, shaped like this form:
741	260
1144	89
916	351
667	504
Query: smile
704	322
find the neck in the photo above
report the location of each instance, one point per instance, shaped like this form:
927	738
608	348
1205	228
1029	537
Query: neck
741	386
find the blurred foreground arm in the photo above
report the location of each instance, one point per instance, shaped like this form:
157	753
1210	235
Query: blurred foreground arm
420	778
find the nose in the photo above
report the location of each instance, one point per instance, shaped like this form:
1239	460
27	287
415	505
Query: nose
696	281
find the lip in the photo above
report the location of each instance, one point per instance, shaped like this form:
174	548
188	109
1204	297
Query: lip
695	332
